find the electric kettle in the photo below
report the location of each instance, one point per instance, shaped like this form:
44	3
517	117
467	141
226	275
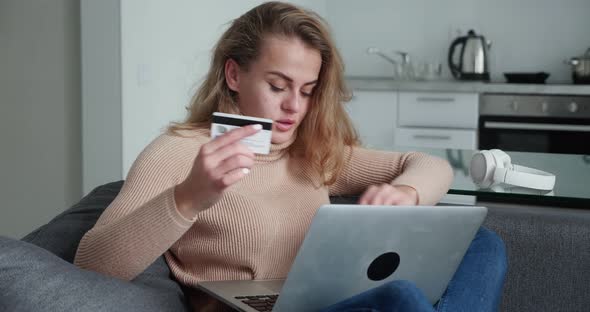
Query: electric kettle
473	60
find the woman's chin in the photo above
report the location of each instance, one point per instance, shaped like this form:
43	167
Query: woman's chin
279	138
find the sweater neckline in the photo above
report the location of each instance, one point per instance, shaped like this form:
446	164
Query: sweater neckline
277	151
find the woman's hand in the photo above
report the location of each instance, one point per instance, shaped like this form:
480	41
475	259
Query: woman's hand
387	194
220	163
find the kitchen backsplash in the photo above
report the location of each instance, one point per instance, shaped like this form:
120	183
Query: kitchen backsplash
527	35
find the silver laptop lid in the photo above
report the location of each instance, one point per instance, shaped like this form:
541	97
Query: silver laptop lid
352	248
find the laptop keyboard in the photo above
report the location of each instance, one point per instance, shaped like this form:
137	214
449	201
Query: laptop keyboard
259	303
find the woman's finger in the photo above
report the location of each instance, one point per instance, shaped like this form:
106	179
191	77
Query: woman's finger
234	176
234	162
381	196
230	137
391	197
229	151
367	196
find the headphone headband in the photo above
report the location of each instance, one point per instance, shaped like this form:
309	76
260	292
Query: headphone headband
525	177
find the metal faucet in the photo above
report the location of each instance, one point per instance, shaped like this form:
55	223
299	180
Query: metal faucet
405	56
403	70
407	71
376	51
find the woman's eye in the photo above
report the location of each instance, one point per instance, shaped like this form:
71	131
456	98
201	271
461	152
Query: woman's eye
275	88
307	93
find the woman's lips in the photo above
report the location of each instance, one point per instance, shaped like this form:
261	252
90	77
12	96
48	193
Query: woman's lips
284	124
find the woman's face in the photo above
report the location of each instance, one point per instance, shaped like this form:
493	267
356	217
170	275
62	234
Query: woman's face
278	85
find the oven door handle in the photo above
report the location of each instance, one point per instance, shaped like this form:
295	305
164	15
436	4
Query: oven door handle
534	126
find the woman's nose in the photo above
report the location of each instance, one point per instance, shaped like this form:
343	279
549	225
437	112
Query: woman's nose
293	102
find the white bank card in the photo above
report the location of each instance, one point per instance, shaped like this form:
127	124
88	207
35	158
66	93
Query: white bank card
259	143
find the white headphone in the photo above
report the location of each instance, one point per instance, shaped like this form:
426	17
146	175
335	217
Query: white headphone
489	168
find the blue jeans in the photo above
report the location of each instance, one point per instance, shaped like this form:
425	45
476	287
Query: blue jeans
476	285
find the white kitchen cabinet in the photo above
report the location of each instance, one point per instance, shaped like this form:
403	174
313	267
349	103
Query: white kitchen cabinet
437	120
374	114
436	138
443	110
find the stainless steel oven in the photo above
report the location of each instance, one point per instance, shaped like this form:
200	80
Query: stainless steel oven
535	123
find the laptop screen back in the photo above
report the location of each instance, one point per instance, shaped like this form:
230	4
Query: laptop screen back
352	248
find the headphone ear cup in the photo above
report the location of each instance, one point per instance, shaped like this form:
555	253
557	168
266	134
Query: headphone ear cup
501	158
481	169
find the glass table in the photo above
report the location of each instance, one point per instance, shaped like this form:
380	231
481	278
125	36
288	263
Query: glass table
572	183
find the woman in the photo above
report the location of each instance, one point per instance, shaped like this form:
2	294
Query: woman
219	212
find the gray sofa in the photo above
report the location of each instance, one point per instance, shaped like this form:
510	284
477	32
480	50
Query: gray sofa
548	248
548	254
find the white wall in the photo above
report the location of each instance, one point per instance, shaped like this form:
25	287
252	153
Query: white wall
527	35
101	92
40	154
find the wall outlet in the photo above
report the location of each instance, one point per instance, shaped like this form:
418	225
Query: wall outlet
144	76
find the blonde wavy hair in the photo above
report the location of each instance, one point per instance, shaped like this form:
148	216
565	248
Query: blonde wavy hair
326	129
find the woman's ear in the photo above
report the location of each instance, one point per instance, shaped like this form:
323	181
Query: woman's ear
232	77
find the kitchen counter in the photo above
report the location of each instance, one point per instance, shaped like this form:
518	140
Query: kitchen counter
389	84
572	174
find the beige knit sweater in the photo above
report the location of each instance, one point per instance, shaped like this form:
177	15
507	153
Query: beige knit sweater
256	228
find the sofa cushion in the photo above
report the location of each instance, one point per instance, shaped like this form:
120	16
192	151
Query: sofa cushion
63	233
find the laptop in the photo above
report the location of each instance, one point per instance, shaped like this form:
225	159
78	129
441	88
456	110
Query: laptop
349	249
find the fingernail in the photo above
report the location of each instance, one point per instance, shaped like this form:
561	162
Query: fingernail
245	170
257	127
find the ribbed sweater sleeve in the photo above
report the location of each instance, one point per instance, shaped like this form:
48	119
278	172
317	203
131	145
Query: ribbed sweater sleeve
429	175
143	221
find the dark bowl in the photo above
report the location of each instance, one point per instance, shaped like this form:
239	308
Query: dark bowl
539	77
